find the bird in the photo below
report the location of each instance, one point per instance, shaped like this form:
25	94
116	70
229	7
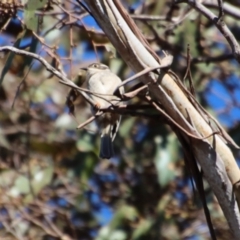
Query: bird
102	83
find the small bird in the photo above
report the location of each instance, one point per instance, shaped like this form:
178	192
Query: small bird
101	80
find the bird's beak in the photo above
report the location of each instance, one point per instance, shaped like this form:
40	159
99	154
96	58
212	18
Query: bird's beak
84	68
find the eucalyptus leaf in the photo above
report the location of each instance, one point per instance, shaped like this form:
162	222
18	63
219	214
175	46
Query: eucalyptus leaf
3	141
10	57
164	160
106	233
142	229
41	179
125	212
30	18
21	185
126	126
85	143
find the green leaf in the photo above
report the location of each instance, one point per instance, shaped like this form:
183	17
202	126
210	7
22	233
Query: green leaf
41	178
85	143
165	157
21	186
10	57
142	229
88	164
30	18
105	233
4	141
126	126
125	212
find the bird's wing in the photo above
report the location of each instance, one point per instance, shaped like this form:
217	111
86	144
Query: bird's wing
96	86
110	82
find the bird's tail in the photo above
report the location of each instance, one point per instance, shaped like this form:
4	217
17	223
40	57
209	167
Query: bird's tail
106	146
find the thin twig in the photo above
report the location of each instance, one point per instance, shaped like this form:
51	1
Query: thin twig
92	118
222	27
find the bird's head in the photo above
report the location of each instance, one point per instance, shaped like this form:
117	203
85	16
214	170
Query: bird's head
95	68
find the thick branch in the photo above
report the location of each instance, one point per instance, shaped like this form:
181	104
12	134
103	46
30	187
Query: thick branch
212	153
